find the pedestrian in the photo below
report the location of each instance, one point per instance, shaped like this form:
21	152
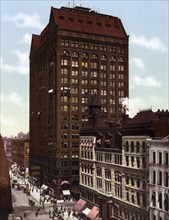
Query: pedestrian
36	214
49	214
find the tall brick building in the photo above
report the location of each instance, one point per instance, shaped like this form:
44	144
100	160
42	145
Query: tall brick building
79	53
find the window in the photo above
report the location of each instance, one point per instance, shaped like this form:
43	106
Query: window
132	180
144	147
154	177
113	59
166	177
138	198
137	147
166	203
160	200
127	179
159	178
127	160
99	183
132	161
107	186
138	182
84	64
144	183
154	199
93	65
132	197
75	63
65	53
121	68
138	162
118	177
127	195
132	147
99	171
64	62
103	66
107	174
75	54
165	158
121	59
103	58
144	162
160	157
154	157
94	56
127	146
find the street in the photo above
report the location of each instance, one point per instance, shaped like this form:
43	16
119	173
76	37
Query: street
22	208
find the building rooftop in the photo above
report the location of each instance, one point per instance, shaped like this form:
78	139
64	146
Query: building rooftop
84	20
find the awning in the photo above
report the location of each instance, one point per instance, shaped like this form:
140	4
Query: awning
64	182
93	213
44	187
66	192
86	211
80	205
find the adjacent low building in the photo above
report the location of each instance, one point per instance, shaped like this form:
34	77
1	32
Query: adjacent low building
159	179
114	165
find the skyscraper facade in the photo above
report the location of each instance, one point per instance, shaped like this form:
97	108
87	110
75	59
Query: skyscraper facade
79	53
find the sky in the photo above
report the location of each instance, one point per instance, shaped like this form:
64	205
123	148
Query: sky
146	23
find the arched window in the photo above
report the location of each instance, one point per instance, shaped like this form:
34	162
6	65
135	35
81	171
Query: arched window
154	199
137	147
85	56
103	57
94	56
121	59
132	147
166	208
160	200
127	146
154	217
75	54
113	59
166	176
65	53
159	178
154	177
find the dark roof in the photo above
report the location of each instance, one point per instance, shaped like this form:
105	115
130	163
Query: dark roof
88	22
84	20
143	117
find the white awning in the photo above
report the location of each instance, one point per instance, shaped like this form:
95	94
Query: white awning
66	192
44	187
86	211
